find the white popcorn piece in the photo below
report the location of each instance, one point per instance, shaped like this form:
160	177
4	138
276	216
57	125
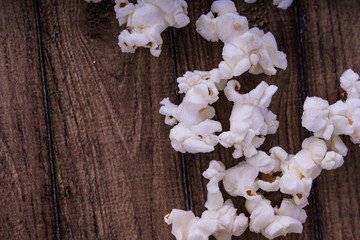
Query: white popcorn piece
195	131
290	209
316	117
350	82
275	222
244	49
240	181
326	121
250	120
196	138
146	20
332	161
298	171
341	118
336	144
220	218
353	115
186	226
283	4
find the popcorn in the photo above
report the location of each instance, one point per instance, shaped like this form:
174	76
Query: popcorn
250	119
324	120
195	131
349	81
220	220
197	138
283	4
146	20
298	171
275	222
244	49
240	181
341	118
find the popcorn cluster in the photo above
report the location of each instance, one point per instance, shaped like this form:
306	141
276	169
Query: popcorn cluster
244	49
250	120
146	20
283	4
290	174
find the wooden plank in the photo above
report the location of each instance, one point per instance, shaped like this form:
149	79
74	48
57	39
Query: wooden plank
332	45
25	178
117	174
193	52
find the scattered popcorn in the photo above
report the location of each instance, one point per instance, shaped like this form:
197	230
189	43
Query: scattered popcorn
146	20
283	4
220	220
250	120
244	49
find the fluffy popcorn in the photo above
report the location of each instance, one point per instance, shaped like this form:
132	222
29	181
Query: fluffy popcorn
275	222
194	132
341	118
220	218
349	81
244	49
200	91
146	20
250	120
325	120
299	170
196	138
242	179
283	4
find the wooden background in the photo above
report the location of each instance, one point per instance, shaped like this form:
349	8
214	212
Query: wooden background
84	153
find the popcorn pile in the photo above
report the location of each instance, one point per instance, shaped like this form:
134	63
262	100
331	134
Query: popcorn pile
250	119
279	171
194	130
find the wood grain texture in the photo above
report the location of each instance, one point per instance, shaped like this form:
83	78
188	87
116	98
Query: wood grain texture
332	45
194	52
25	180
116	174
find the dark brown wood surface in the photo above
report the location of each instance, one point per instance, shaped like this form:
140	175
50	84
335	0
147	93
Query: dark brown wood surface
84	153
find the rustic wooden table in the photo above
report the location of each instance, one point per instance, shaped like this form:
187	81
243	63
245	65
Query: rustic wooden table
84	153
